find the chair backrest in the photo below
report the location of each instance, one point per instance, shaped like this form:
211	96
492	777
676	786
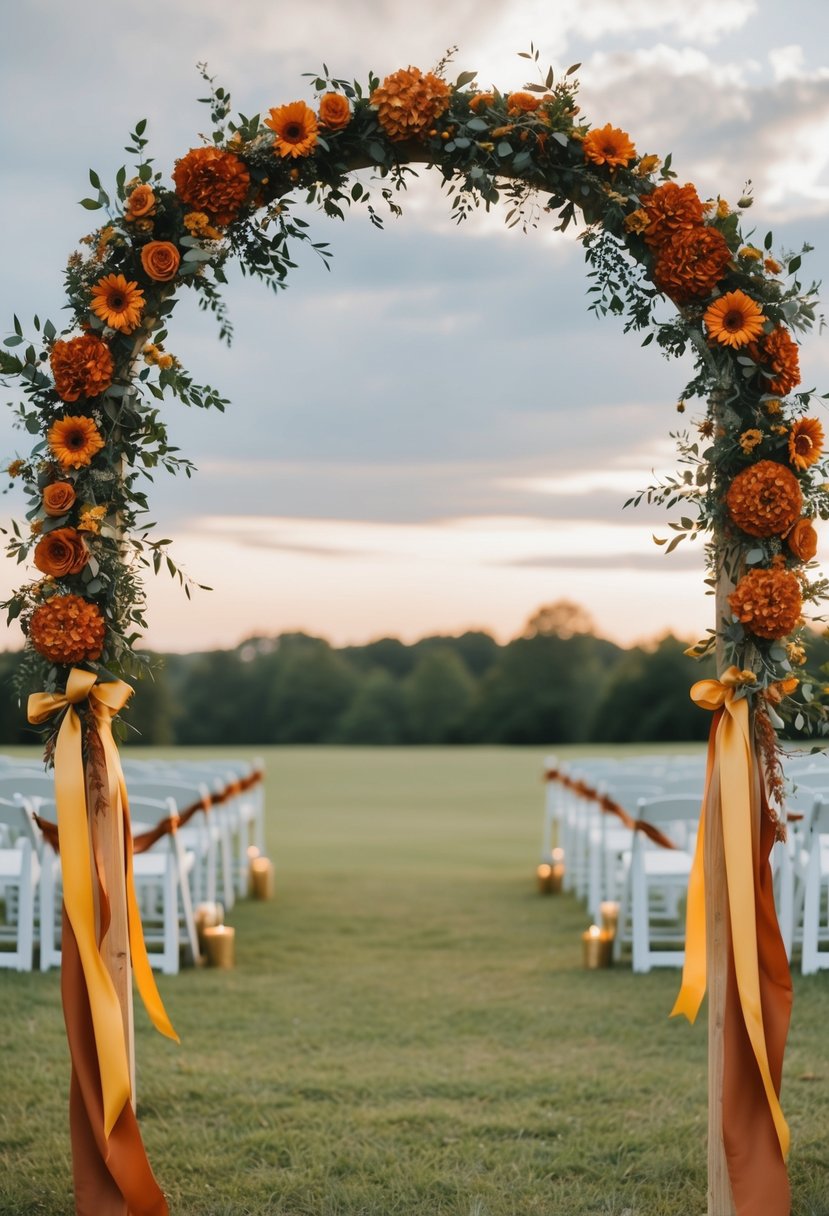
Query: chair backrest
146	812
677	814
16	823
34	785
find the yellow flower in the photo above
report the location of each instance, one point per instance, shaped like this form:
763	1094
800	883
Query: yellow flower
750	439
752	254
772	406
198	224
91	518
647	165
795	654
637	221
723	209
16	468
165	361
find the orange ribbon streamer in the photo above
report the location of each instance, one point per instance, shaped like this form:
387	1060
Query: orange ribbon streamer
731	770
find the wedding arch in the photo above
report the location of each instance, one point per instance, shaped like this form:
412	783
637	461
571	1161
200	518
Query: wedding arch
751	481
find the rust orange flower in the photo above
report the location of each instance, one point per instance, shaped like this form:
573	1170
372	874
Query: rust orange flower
213	181
767	602
61	552
608	145
117	302
58	498
160	260
335	111
671	209
805	442
67	629
74	441
522	103
802	540
765	499
82	367
409	101
691	265
778	352
295	128
734	320
140	203
480	101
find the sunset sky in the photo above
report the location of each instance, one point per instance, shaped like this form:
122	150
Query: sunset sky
437	435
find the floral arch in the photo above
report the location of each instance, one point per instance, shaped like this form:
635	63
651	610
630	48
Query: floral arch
750	482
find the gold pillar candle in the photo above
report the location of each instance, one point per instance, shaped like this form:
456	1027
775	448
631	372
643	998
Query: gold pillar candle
544	878
261	877
253	853
220	946
609	913
206	916
597	947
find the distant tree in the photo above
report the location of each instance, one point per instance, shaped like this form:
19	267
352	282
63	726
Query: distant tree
310	687
478	650
217	703
391	654
14	727
563	619
646	698
377	712
149	710
439	695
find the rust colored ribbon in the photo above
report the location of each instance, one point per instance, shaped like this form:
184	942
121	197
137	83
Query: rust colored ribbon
758	995
140	843
101	1090
611	807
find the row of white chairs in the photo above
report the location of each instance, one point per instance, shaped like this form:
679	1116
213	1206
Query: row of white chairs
608	858
213	813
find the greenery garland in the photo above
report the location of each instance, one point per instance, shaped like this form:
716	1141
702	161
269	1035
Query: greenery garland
752	479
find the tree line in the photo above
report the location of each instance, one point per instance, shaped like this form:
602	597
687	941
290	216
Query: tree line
555	683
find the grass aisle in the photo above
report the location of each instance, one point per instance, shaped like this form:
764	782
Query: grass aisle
408	1029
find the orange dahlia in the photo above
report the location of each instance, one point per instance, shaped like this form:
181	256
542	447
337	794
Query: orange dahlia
765	499
608	145
805	442
778	351
214	181
767	602
295	127
67	629
802	540
670	209
692	264
74	441
734	319
82	367
408	102
335	111
61	552
118	303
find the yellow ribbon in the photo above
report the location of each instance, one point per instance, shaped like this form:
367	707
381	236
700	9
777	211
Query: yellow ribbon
77	866
730	766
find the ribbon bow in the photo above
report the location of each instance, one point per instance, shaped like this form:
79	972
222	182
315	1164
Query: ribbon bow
78	866
730	760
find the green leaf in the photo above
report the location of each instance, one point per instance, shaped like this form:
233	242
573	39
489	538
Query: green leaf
465	78
91	204
794	263
504	148
478	124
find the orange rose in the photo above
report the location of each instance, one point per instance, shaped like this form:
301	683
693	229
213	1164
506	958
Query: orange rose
802	540
61	552
335	111
522	103
160	260
58	498
140	203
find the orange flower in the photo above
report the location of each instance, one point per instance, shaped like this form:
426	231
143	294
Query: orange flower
608	145
58	498
74	441
91	518
692	264
214	181
67	629
82	367
522	103
647	165
772	266
671	209
805	442
636	221
118	303
802	540
767	602
295	126
778	352
481	101
61	552
765	499
160	260
779	689
734	320
335	111
141	203
750	439
408	102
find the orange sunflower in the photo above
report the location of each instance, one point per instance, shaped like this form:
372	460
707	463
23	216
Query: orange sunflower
409	101
67	629
295	127
805	442
74	441
734	320
692	264
779	353
118	303
767	602
670	209
82	367
608	145
765	499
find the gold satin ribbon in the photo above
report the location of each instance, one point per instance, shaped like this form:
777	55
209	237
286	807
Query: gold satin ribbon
730	765
77	865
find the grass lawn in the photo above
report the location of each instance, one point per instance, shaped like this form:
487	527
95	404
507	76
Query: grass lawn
408	1028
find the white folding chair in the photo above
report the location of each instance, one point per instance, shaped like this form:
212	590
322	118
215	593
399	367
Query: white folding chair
815	949
162	888
19	877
